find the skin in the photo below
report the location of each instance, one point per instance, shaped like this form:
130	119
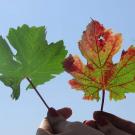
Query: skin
115	122
103	124
56	123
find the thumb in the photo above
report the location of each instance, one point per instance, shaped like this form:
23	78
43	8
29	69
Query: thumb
57	119
108	129
120	123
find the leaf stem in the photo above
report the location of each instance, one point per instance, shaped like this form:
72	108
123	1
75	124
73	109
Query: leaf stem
34	87
103	99
98	51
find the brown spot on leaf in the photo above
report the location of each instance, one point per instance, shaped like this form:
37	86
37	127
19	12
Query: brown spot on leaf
73	64
74	84
90	66
88	97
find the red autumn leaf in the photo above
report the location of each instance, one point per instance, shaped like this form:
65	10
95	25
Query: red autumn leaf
98	45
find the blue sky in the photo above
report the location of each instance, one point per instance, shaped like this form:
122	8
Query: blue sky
64	19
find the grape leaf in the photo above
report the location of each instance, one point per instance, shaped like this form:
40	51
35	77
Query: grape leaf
98	45
35	58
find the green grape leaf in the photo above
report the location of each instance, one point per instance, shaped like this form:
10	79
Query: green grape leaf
98	45
34	57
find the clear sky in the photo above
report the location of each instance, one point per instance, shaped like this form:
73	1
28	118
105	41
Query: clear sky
64	19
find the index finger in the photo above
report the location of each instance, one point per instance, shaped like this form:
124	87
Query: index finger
120	123
65	112
42	132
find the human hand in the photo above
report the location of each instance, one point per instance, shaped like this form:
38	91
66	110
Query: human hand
110	124
56	123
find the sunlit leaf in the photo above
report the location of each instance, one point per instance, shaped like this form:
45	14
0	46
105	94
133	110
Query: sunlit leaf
98	45
35	58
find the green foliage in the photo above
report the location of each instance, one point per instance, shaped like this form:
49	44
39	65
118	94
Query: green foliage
35	58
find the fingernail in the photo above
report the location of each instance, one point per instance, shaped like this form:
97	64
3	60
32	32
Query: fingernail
102	121
53	112
89	123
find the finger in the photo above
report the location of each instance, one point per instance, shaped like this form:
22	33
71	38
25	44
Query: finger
65	112
57	119
91	123
42	132
54	117
109	129
116	121
45	125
